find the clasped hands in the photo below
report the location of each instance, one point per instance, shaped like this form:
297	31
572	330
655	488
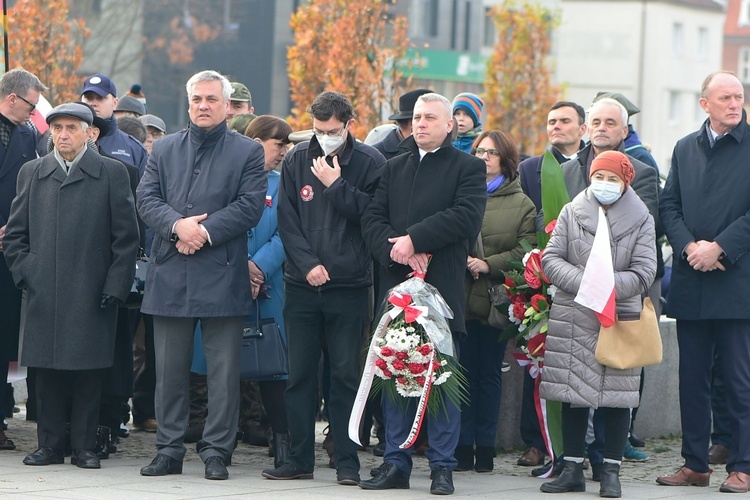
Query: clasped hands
403	253
704	256
191	235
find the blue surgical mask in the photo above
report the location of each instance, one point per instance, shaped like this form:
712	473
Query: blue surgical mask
606	192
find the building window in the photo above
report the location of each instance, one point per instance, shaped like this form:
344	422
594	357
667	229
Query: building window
425	13
677	39
490	32
743	66
703	42
743	18
674	107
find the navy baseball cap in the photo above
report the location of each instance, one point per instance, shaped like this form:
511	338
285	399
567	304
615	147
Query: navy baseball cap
99	84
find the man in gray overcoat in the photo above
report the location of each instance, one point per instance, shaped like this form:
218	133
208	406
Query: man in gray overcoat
71	244
203	189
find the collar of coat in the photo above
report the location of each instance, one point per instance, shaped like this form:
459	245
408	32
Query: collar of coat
199	137
410	145
87	165
624	216
314	150
737	132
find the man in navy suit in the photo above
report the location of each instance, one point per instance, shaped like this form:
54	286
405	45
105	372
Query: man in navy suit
19	95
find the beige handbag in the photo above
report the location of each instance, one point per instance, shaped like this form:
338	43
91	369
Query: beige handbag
631	344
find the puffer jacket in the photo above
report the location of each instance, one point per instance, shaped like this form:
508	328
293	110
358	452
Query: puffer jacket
571	373
508	219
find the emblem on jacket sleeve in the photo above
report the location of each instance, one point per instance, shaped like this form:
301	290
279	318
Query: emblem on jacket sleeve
306	193
269	201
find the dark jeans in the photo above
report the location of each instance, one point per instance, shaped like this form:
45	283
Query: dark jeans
699	342
575	422
481	357
339	316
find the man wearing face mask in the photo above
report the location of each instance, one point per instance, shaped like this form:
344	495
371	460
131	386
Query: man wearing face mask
326	185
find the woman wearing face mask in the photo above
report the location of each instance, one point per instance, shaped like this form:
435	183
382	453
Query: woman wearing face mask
571	373
508	219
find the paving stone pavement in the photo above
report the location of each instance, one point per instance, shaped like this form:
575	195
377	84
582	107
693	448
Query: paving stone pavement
119	476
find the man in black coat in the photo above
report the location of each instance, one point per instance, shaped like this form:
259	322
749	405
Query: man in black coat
71	243
326	185
430	200
706	214
19	93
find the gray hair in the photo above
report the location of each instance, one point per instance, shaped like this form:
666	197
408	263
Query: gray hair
611	102
209	76
434	97
19	81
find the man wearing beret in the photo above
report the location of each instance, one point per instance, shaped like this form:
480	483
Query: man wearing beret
70	244
101	94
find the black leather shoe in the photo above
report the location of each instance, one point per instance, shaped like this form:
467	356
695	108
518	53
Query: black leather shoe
484	461
215	468
103	442
379	449
610	484
85	459
162	465
347	477
286	471
442	481
571	479
635	441
44	456
378	470
390	477
464	455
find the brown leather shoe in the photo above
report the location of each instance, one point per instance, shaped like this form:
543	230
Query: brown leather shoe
685	477
531	457
718	454
737	482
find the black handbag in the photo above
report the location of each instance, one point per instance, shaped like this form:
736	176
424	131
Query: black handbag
263	354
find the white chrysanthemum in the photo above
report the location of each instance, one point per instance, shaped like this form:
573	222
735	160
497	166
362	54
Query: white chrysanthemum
512	316
442	378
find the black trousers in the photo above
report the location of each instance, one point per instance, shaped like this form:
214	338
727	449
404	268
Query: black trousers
144	387
68	396
531	434
575	422
340	317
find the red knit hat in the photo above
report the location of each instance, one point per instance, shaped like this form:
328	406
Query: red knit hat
616	162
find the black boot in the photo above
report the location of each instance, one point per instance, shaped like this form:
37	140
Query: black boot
465	456
571	479
484	459
103	439
610	485
280	449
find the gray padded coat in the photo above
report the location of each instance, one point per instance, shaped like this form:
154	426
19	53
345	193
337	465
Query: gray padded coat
571	373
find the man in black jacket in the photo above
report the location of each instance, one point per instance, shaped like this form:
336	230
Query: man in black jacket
326	185
431	200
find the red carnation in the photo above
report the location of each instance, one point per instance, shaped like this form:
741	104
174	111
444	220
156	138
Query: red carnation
421	380
399	365
425	349
417	368
388	373
519	310
402	355
387	351
380	363
401	380
436	366
539	302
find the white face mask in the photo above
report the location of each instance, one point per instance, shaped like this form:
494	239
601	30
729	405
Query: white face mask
328	143
606	192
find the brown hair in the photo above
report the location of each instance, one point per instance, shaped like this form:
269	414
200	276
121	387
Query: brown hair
267	127
507	149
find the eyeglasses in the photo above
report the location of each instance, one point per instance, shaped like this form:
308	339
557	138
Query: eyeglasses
33	106
492	152
330	133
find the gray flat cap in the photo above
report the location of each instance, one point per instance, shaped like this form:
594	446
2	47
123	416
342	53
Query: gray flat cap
153	121
131	104
73	110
